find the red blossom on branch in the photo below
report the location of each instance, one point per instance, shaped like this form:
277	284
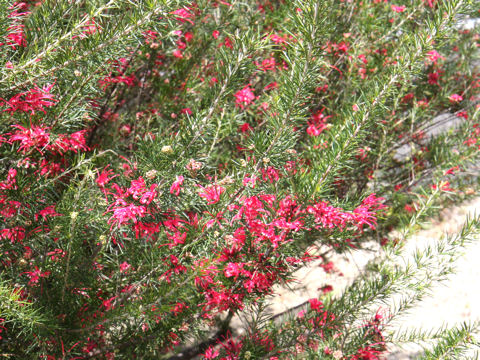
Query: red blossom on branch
211	193
398	9
244	97
176	186
35	99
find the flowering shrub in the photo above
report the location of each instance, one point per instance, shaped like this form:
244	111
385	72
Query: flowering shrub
166	164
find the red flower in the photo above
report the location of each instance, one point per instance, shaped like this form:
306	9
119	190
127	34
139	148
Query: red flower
108	303
123	213
408	97
315	304
178	54
233	269
313	130
32	100
433	56
184	15
410	208
16	36
36	275
103	178
124	267
36	136
272	85
211	353
455	98
328	267
211	193
245	127
433	78
232	348
366	353
56	254
398	9
16	234
175	188
326	289
48	211
244	97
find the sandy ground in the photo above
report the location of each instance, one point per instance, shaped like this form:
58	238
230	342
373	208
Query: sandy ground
458	299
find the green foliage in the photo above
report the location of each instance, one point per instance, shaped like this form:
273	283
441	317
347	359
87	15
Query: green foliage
165	164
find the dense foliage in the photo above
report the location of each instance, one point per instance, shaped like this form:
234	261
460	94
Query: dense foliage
166	163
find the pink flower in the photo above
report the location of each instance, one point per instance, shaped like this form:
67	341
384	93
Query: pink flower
245	127
278	39
429	3
32	100
36	275
211	353
433	56
233	269
16	234
184	15
16	36
315	304
455	98
149	195
313	130
89	28
177	238
367	353
398	9
433	78
72	142
103	178
232	347
211	193
250	180
244	97
48	211
272	85
56	254
270	174
124	267
108	304
36	136
10	183
215	34
178	54
123	213
139	191
175	188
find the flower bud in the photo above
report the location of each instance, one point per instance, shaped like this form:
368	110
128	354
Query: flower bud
167	149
